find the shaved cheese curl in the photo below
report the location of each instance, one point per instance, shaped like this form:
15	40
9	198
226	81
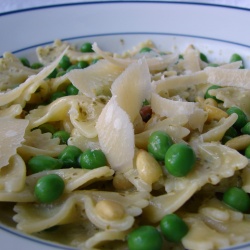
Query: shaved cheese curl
169	108
154	63
132	87
116	136
229	77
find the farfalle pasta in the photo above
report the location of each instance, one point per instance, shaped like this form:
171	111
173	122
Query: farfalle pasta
108	106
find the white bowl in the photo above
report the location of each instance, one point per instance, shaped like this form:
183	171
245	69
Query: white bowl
215	30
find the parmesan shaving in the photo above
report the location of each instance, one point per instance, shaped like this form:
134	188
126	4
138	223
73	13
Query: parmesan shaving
229	77
154	63
132	87
169	108
116	136
96	79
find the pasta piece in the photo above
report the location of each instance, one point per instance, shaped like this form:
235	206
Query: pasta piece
13	72
26	195
37	143
136	49
133	177
12	135
174	126
116	136
32	83
76	56
229	77
33	218
102	237
83	142
96	79
74	178
121	224
154	63
133	202
168	203
59	110
55	111
132	87
12	176
217	133
215	163
11	112
49	53
191	60
233	96
41	95
83	116
60	82
201	236
217	226
175	82
169	108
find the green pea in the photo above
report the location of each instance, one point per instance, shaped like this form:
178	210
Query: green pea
72	90
145	238
232	132
158	144
57	95
43	162
47	128
213	65
145	50
74	66
36	65
207	95
69	156
91	159
53	74
235	58
203	57
247	152
82	64
65	62
225	139
173	227
86	47
246	129
25	61
237	199
49	188
180	159
62	135
94	61
60	73
242	118
181	56
145	103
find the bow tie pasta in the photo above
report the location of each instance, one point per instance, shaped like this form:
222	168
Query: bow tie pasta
143	150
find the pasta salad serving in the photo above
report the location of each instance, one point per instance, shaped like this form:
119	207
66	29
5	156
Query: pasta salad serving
142	150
